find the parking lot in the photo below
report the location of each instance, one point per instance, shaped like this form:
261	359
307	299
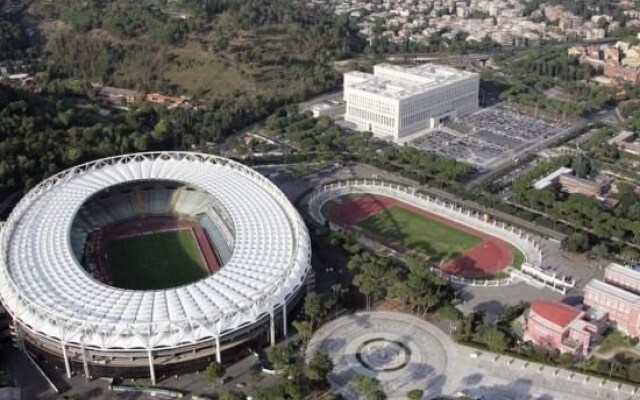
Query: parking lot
448	143
488	135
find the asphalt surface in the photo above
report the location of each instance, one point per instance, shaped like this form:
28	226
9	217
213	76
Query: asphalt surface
364	344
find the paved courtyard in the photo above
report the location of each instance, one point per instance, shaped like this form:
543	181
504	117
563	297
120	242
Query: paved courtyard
405	353
401	351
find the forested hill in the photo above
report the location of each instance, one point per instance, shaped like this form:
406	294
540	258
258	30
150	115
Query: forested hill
278	48
41	135
241	59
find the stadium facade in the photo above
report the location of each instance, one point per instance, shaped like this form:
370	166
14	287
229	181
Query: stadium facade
63	312
397	102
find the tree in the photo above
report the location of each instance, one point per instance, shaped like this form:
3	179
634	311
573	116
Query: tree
581	166
271	392
577	242
213	372
368	388
373	275
630	254
314	307
232	395
337	291
494	338
421	288
600	251
280	357
295	390
304	328
318	367
513	311
415	394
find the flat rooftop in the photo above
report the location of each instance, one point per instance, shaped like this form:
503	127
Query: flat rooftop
632	271
614	291
401	82
549	179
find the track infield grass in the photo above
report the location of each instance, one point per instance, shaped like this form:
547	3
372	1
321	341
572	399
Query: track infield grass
419	233
155	261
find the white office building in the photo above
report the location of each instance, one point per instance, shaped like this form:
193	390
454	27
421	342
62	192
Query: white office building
398	103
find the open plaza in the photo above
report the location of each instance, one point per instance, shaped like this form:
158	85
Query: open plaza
405	352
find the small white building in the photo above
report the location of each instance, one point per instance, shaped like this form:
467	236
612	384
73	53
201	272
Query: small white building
397	102
552	178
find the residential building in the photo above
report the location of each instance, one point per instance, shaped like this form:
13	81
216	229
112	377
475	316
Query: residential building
397	102
632	57
118	95
558	326
552	178
626	141
628	74
569	22
617	296
572	184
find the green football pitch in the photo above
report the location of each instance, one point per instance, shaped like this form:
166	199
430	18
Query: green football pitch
420	233
155	261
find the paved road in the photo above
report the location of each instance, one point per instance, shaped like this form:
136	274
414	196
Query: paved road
367	344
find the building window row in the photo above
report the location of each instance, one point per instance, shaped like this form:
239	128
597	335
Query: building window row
372	117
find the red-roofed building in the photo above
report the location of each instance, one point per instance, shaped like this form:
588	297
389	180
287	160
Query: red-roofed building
555	325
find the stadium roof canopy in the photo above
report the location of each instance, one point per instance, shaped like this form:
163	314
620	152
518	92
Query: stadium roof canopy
43	285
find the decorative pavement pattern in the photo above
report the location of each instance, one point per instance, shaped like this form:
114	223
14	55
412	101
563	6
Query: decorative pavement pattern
401	351
404	352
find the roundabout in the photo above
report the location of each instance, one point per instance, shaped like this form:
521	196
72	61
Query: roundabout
401	351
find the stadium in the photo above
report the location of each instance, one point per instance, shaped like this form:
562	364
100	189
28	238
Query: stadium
463	245
151	264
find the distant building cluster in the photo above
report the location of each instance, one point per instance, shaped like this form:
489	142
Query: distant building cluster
397	102
614	300
503	21
124	97
618	61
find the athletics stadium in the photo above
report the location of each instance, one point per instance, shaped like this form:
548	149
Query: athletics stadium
151	264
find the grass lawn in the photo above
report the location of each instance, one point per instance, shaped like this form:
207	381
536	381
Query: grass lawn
156	261
419	233
612	340
518	257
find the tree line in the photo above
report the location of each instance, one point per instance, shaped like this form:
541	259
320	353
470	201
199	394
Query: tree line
594	223
326	141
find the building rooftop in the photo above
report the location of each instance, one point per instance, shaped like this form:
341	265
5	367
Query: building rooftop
549	179
401	82
555	312
604	287
631	271
582	181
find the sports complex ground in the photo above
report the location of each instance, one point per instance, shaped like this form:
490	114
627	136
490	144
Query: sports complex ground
460	250
154	253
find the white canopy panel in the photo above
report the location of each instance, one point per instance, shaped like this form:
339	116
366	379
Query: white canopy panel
43	285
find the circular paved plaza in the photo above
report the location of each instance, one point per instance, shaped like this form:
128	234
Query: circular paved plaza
401	351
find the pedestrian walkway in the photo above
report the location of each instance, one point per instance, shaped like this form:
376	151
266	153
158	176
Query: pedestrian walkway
405	352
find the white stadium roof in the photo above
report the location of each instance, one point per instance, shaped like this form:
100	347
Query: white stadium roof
43	285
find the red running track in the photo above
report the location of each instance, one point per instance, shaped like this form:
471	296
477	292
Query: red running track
487	258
